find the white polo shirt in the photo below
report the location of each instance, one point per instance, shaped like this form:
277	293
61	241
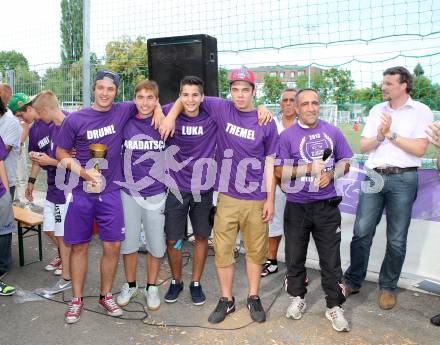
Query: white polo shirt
410	121
10	131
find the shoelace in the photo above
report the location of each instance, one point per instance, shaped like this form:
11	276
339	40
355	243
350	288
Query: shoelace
298	302
54	261
336	313
111	304
73	308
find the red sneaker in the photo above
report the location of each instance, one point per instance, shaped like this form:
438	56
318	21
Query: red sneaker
109	304
73	313
53	264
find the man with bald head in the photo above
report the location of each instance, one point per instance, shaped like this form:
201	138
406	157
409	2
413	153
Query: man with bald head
312	204
284	120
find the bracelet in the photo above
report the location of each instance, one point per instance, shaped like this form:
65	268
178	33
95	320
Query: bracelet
32	180
377	138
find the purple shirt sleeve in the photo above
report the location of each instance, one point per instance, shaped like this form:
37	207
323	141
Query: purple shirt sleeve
271	144
284	149
67	134
3	152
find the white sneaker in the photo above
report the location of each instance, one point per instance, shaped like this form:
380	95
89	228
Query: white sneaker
336	316
152	297
296	308
59	270
60	286
126	295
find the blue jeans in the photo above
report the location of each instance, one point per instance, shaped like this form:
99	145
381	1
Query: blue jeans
397	197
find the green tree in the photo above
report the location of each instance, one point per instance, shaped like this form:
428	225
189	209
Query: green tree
223	83
426	92
11	60
317	82
26	81
272	88
128	58
339	86
418	70
368	96
71	26
66	80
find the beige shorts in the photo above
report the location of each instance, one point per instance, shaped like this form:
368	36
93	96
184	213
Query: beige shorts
235	215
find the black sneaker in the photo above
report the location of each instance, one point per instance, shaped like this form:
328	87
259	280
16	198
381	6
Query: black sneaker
197	295
269	268
173	292
256	309
223	308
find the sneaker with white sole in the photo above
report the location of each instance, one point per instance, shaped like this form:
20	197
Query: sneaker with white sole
152	297
269	268
59	270
6	289
53	264
109	304
296	308
74	309
336	316
126	295
60	286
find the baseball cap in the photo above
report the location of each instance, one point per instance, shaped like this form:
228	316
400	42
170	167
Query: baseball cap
104	74
243	74
18	101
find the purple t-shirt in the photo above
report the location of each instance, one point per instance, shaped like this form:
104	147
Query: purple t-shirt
304	145
3	155
195	139
242	147
39	139
54	194
143	158
88	126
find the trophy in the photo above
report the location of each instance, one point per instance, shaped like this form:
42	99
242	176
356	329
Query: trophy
98	152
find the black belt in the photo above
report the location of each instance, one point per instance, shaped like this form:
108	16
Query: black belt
393	170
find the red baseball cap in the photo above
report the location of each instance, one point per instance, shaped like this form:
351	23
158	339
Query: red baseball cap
242	74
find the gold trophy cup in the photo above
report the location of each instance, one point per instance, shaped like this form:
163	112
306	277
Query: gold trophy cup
98	152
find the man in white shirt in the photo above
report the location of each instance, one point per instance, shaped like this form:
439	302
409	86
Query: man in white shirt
395	138
10	131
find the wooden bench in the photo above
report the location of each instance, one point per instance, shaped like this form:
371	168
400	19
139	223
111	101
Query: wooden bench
28	221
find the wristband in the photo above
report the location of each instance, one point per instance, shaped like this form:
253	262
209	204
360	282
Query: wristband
32	180
377	138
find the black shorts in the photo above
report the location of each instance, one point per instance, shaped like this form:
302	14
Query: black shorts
176	215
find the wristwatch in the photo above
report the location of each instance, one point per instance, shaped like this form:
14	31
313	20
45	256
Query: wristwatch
393	136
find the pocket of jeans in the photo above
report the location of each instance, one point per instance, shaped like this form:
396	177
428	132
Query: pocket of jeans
409	177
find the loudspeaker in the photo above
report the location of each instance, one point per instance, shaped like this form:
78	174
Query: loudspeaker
172	58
